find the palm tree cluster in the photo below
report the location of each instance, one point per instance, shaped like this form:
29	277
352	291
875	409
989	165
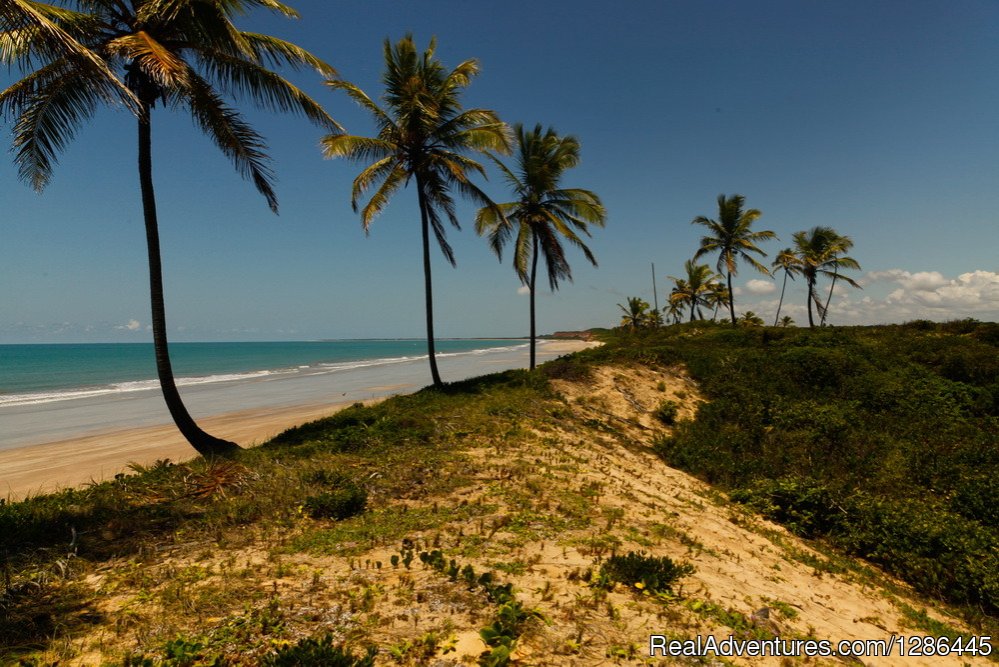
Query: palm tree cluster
425	135
818	252
187	54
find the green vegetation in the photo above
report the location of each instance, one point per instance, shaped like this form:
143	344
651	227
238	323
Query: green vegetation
667	411
878	442
320	652
646	573
882	440
543	212
179	55
423	134
403	446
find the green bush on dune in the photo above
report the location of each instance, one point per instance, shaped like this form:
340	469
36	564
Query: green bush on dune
883	440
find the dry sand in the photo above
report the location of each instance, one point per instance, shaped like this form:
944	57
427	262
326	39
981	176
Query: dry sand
67	463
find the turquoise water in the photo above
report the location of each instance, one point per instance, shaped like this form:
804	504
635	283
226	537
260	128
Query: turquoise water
33	374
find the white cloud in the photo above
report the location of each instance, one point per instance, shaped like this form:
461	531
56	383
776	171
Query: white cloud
897	295
523	289
133	325
968	293
756	286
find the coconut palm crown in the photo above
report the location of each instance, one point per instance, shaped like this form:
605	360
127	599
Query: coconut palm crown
543	213
696	289
635	314
184	54
424	135
732	237
820	252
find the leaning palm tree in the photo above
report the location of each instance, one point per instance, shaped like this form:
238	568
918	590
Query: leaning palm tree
818	251
785	260
543	213
731	236
694	290
423	135
183	53
635	313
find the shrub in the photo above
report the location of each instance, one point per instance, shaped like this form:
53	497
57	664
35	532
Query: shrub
567	368
656	575
806	507
666	412
344	502
318	653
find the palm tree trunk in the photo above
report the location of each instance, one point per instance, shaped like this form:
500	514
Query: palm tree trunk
731	299
811	297
534	275
207	445
655	294
427	283
781	302
825	309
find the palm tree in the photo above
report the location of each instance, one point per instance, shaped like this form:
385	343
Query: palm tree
184	53
423	135
841	244
543	211
695	289
750	319
732	238
818	252
635	313
786	321
718	296
674	311
787	261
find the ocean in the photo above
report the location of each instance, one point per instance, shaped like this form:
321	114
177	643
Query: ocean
51	393
33	374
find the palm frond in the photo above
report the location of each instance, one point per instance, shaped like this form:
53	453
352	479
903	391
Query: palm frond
51	104
35	34
362	99
158	62
355	148
231	134
393	179
277	52
266	88
495	221
380	169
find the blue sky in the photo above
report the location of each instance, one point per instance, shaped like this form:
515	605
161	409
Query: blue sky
877	119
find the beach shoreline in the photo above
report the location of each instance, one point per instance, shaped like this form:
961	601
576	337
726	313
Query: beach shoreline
98	455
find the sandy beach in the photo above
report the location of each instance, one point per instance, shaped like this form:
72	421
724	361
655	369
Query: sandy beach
97	454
